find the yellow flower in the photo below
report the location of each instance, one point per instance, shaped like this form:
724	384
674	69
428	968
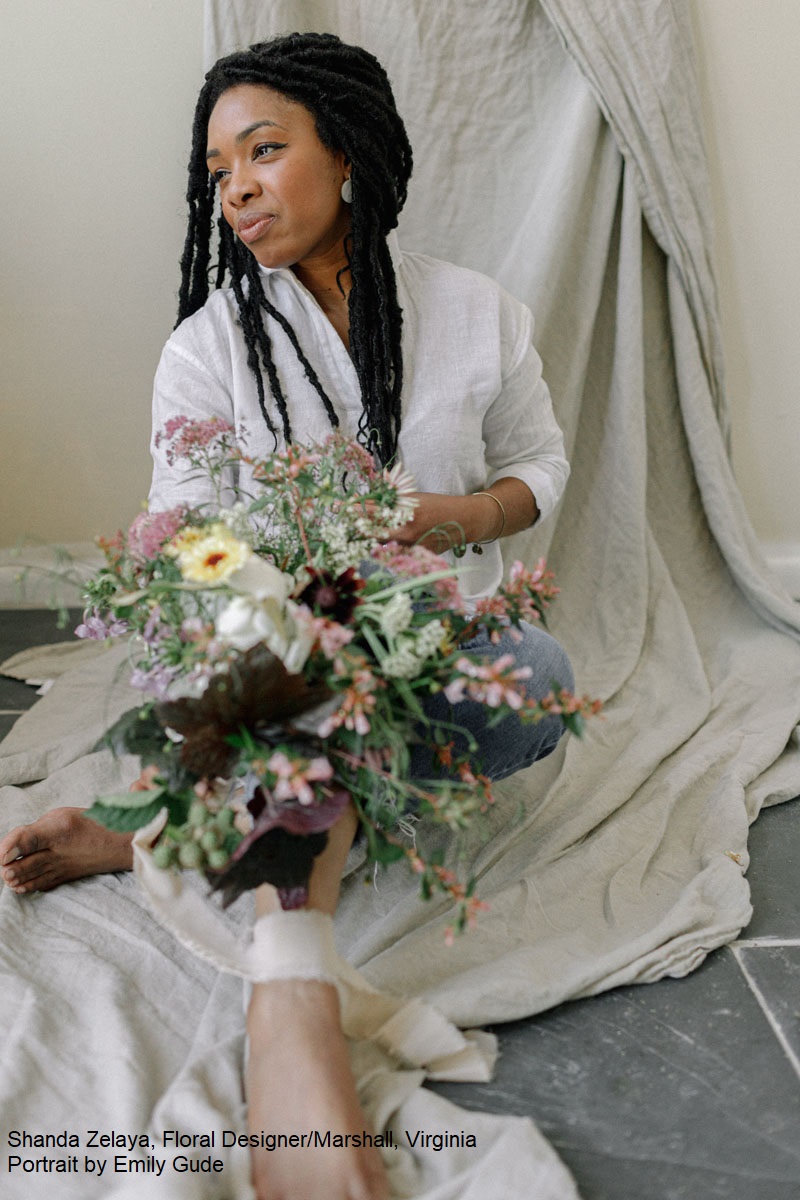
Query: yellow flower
183	538
209	555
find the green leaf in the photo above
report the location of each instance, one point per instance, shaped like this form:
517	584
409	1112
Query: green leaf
136	730
124	820
139	732
411	702
259	504
574	723
138	799
380	848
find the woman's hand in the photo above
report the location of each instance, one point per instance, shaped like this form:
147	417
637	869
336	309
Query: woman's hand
441	521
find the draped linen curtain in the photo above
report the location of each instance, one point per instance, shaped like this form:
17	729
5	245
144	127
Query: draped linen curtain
558	149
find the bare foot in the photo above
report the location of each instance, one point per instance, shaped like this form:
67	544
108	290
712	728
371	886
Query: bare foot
60	846
299	1080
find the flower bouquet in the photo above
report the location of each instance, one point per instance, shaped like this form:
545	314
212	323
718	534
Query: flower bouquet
286	647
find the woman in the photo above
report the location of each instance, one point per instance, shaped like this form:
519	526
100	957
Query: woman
326	323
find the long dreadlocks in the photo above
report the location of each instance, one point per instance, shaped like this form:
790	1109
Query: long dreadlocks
349	95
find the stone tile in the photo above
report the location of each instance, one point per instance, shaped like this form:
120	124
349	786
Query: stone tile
775	971
14	694
6	721
20	629
774	845
673	1090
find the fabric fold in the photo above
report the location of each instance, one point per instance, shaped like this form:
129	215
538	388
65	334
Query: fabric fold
300	945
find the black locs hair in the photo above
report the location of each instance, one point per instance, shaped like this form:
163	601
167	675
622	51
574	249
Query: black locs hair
349	95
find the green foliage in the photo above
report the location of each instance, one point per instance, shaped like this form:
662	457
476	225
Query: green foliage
128	811
381	849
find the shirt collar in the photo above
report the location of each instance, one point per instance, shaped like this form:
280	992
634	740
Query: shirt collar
393	242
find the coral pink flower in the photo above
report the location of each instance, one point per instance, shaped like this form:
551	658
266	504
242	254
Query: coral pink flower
296	776
492	684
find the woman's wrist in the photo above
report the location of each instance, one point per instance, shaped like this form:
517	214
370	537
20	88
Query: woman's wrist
448	522
497	513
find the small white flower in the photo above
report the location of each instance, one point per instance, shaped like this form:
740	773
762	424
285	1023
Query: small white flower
403	663
395	616
238	521
340	551
430	638
403	480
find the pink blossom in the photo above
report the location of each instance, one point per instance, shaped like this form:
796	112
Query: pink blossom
358	701
149	531
293	461
413	562
492	606
329	635
490	683
355	457
537	578
295	776
188	436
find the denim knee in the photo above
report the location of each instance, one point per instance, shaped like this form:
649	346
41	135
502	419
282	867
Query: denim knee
512	744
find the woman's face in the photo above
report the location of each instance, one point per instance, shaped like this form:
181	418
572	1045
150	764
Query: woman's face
280	187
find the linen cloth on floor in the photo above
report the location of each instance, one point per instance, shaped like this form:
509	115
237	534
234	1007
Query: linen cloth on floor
557	149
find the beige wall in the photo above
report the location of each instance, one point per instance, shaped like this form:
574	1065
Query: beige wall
749	65
96	98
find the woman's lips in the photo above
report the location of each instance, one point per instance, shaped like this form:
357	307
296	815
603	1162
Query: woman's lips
251	227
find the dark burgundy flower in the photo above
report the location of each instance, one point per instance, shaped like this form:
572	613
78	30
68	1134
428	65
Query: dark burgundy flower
332	596
257	691
281	847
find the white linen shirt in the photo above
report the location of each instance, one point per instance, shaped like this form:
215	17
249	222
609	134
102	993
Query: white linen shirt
474	405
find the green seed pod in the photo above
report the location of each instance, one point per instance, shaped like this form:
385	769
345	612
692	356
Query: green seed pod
217	859
211	838
191	856
164	855
198	813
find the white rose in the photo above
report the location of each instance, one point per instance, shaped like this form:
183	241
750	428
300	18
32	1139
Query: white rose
189	687
246	621
301	639
261	580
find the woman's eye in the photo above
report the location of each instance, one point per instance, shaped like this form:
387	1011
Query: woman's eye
264	149
219	175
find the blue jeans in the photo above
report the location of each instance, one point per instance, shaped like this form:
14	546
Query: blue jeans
509	745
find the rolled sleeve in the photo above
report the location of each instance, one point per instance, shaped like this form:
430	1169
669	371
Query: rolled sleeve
520	432
184	386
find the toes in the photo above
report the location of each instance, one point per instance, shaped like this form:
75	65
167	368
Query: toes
43	877
22	840
57	826
42	884
26	869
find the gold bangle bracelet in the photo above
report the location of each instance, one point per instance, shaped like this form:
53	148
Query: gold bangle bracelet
477	547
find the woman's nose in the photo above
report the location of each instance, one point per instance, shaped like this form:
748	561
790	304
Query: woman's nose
242	185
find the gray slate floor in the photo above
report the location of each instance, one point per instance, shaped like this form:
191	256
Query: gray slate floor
687	1089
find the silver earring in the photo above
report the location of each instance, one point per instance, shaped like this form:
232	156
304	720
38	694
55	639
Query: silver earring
347	191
